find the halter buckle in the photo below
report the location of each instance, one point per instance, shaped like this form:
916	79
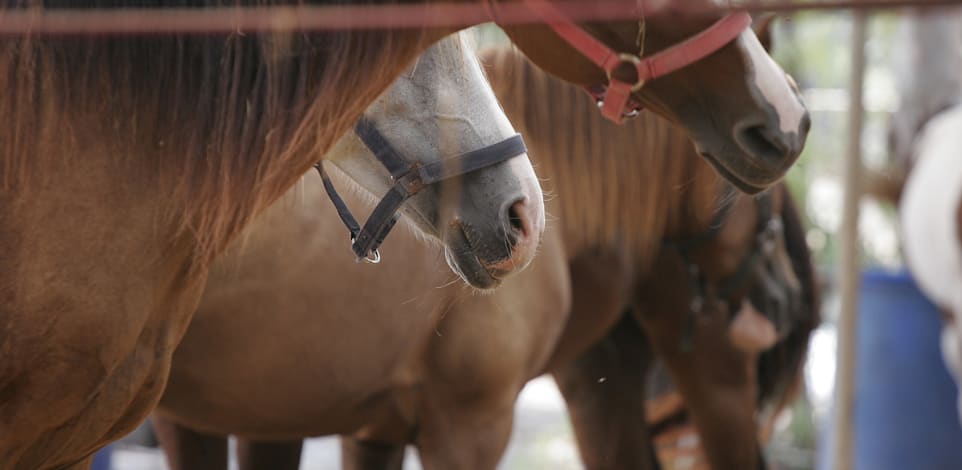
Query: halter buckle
411	181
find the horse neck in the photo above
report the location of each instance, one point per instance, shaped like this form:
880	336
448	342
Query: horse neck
646	184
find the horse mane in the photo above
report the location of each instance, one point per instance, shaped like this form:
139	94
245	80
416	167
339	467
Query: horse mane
780	368
626	185
225	122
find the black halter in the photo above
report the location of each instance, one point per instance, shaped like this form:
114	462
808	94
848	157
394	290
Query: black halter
409	178
774	297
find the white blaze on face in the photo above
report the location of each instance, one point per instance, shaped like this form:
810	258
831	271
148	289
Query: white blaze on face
772	83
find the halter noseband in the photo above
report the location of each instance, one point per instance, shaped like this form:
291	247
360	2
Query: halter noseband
615	97
409	179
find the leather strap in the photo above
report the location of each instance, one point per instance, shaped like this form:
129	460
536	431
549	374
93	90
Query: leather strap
342	211
696	47
472	161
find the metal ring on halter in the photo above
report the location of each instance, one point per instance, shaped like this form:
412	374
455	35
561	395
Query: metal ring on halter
630	114
368	258
635	62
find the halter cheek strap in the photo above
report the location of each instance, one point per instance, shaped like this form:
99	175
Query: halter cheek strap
409	179
618	93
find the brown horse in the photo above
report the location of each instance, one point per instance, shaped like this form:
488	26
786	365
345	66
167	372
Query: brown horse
723	384
611	267
490	220
130	162
444	373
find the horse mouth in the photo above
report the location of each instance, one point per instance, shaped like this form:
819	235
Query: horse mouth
462	258
739	181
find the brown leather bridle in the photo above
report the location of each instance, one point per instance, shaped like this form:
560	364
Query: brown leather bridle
614	98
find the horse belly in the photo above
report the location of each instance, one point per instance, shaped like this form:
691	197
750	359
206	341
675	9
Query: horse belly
303	347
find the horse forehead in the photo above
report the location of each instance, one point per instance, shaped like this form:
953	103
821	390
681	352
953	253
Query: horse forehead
449	55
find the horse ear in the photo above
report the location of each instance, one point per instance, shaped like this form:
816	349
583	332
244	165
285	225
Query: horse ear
762	25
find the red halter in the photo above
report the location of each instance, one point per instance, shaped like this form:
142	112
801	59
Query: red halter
616	95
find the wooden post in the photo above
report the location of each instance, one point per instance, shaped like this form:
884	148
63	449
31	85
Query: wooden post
848	271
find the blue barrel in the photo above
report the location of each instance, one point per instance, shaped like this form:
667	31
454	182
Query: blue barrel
905	407
102	459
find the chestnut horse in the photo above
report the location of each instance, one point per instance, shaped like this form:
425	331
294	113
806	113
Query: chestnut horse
489	220
394	358
614	266
129	162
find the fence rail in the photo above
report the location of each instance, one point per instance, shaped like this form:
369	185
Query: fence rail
219	20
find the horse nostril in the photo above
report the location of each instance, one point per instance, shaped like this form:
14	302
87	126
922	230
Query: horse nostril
514	218
764	144
522	223
517	226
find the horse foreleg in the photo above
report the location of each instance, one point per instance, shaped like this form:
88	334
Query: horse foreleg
264	455
604	390
362	454
458	432
717	383
189	450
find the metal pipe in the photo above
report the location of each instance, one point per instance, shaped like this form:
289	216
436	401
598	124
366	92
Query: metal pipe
848	271
225	20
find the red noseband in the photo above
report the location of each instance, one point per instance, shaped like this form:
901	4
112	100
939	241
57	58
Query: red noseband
616	95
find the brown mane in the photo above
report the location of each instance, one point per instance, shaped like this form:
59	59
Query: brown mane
226	122
607	196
